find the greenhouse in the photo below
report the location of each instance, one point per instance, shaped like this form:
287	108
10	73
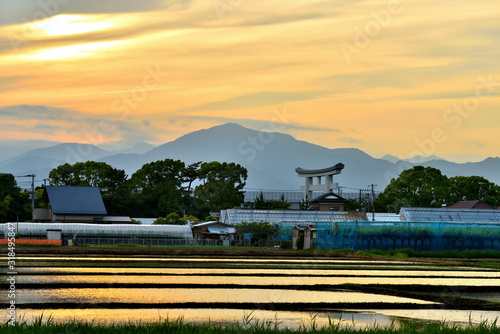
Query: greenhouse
360	235
38	230
236	216
450	215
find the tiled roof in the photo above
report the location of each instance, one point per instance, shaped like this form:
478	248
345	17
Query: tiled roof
329	198
470	205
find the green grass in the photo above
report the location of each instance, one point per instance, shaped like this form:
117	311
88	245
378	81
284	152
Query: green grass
182	247
248	325
407	253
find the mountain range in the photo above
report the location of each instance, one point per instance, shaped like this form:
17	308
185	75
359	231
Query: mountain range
270	158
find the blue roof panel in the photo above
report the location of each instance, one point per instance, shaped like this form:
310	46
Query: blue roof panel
76	200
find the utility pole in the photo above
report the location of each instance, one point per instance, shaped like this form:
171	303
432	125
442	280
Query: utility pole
32	193
373	201
32	190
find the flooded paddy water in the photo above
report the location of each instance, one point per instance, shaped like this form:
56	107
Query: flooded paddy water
359	292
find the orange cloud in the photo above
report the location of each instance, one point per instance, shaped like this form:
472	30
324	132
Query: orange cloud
407	67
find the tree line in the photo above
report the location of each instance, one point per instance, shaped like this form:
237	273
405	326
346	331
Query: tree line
160	188
170	187
427	187
157	189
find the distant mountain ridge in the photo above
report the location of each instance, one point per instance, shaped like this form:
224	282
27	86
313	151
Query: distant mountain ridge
416	159
270	157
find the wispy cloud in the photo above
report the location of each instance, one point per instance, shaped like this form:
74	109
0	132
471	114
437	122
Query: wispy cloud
261	99
475	143
59	124
12	12
349	140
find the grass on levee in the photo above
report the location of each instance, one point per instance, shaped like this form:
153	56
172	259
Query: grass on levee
452	254
396	253
404	253
248	325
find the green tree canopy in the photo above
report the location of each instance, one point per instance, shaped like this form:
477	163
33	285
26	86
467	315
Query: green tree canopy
191	174
471	188
261	203
13	203
427	187
420	186
305	203
190	220
158	185
111	181
259	230
89	173
171	219
222	185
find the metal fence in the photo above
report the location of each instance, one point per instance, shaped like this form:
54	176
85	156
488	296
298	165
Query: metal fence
148	241
282	244
415	235
361	235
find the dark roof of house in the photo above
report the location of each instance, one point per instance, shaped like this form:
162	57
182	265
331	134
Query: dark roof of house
75	200
470	205
329	198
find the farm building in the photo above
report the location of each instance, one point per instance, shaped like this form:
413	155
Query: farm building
214	230
75	205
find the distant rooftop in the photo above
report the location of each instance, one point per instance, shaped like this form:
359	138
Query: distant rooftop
470	205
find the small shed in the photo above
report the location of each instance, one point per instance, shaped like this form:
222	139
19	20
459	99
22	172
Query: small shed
214	230
308	233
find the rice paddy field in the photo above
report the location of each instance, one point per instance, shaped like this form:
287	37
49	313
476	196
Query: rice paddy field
219	290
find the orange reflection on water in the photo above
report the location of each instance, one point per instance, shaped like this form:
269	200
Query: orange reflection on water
150	296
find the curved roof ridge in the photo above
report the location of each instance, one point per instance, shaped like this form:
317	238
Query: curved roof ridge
335	168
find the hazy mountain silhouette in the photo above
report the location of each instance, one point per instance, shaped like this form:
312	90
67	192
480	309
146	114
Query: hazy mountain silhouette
418	159
12	148
390	158
41	161
271	159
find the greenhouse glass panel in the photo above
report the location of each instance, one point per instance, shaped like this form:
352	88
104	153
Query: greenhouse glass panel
104	230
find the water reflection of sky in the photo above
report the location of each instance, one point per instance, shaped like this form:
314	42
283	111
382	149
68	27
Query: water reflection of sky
453	316
322	272
151	296
350	271
250	280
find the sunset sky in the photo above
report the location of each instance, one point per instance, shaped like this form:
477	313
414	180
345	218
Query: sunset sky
398	77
